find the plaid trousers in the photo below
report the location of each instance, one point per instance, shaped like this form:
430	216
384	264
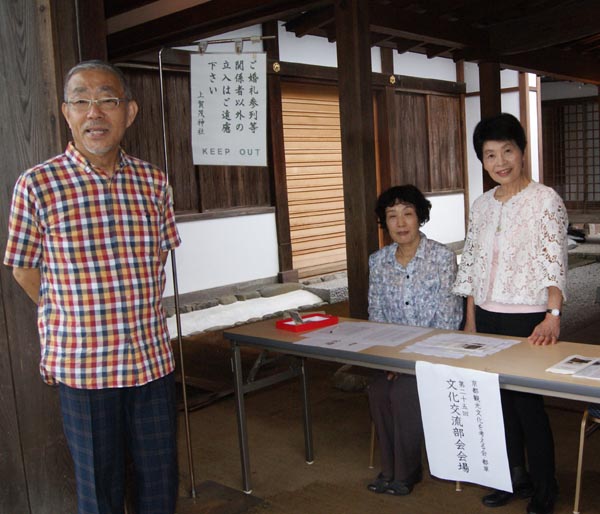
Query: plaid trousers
101	425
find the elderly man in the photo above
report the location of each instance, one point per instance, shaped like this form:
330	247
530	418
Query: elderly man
89	234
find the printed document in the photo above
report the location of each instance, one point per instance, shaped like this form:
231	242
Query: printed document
456	345
578	366
356	336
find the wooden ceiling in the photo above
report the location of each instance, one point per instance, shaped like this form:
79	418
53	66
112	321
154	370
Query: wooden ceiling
553	38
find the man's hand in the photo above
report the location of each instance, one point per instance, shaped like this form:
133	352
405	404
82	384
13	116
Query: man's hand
29	279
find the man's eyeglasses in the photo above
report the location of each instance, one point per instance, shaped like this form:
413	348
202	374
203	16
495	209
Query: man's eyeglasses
104	104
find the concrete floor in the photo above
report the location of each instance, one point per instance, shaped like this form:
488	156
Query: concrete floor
336	483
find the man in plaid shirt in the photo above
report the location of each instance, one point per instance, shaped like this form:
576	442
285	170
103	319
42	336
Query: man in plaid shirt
89	233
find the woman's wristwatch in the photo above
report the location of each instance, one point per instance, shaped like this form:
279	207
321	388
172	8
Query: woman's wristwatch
554	312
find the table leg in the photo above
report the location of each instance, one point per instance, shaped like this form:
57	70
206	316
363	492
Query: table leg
308	443
238	386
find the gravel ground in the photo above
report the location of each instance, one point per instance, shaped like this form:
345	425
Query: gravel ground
581	308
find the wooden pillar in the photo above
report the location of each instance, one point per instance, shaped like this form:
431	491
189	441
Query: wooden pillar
91	32
460	77
386	123
490	100
538	106
386	133
358	146
37	473
278	178
35	466
524	113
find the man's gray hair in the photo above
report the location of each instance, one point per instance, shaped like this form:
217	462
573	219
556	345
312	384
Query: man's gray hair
97	64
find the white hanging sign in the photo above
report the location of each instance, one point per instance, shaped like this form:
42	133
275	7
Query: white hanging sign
463	425
229	109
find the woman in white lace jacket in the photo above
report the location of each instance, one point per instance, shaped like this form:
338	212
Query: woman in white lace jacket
513	273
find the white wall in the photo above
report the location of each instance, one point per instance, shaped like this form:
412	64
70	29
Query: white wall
224	251
447	215
419	65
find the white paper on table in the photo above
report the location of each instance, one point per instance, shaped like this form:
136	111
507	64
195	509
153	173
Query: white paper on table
357	336
456	345
571	364
592	370
463	425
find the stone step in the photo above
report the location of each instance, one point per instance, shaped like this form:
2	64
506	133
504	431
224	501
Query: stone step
330	291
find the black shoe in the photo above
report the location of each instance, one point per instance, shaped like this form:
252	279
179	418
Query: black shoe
522	488
379	485
540	507
521	482
497	498
543	500
404	487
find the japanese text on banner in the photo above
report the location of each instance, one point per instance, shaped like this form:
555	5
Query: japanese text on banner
462	422
229	102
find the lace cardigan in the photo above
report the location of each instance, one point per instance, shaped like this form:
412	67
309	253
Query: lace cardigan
531	229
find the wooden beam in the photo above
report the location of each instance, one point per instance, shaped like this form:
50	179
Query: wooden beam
91	31
460	78
358	146
550	26
36	470
490	100
436	50
387	61
201	21
396	22
405	45
524	111
278	178
540	138
307	22
564	64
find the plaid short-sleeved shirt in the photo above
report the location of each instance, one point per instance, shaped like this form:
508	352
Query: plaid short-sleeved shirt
98	243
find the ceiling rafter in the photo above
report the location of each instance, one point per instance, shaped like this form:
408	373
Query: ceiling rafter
558	37
202	21
406	45
565	64
560	24
399	23
432	51
307	22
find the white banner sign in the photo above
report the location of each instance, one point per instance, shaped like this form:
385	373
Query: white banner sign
229	109
463	425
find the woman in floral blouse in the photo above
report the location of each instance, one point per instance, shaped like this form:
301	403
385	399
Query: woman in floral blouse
513	273
410	283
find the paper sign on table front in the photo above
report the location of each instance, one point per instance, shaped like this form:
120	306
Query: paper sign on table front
463	425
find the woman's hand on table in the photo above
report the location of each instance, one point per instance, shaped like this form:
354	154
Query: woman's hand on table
546	332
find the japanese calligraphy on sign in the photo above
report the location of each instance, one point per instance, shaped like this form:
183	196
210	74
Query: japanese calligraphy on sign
462	422
229	106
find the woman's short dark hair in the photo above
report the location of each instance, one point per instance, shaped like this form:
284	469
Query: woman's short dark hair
406	195
503	127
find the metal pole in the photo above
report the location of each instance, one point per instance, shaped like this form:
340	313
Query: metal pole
238	385
308	439
186	414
